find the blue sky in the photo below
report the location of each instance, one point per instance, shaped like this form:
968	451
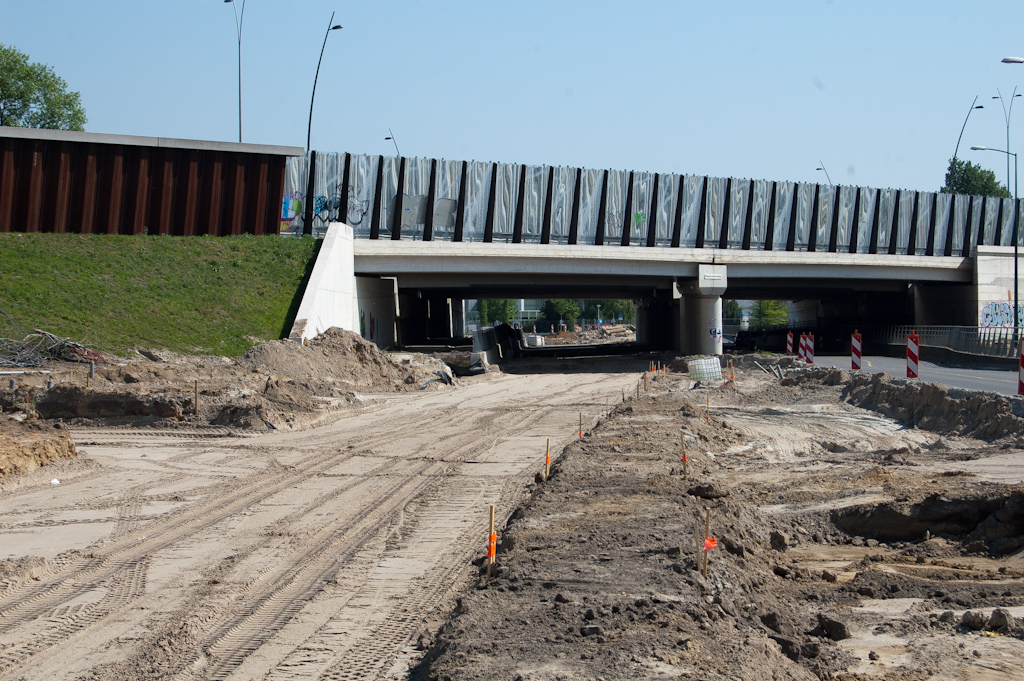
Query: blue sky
877	91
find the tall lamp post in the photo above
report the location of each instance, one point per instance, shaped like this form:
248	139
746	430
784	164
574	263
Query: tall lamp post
974	105
822	168
1016	235
393	141
330	28
239	16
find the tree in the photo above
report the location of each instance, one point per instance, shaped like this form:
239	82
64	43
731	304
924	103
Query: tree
504	310
610	310
768	312
483	310
731	309
566	310
963	177
33	96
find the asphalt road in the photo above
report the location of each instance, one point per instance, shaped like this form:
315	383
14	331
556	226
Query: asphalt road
998	381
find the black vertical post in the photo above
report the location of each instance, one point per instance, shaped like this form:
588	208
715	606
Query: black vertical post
723	228
677	219
307	215
833	237
980	237
627	217
601	218
855	224
460	212
999	224
812	234
895	227
545	228
769	232
492	197
967	247
793	212
873	243
396	219
574	223
517	228
375	218
702	216
948	246
748	222
930	246
652	215
346	177
428	225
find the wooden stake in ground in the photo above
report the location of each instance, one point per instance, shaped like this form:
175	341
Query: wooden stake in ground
682	448
581	424
196	410
707	533
547	461
708	412
645	382
492	544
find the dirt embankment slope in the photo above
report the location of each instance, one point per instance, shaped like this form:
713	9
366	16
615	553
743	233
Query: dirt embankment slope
849	547
278	384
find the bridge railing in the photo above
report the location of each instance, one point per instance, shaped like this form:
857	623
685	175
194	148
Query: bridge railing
997	341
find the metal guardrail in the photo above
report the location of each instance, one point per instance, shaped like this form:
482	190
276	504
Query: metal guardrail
995	341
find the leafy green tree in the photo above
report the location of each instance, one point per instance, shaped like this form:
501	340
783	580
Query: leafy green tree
483	309
610	310
768	312
963	177
566	310
731	309
33	96
504	310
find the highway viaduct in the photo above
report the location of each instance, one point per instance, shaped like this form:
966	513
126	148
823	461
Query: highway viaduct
672	243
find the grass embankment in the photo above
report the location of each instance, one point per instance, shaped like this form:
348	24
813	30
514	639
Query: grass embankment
217	295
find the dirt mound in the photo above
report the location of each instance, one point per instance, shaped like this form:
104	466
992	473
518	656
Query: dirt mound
27	443
276	384
938	408
822	376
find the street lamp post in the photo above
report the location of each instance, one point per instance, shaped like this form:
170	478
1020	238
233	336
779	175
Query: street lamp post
1016	236
822	168
393	141
974	105
330	28
239	16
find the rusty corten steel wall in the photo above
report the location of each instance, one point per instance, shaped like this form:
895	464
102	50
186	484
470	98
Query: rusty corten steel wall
100	187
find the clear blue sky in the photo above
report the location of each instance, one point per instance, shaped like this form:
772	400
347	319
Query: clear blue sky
877	91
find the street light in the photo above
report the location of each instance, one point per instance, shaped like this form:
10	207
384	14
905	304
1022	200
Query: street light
238	31
1016	323
393	141
974	105
1007	111
1013	60
822	167
330	28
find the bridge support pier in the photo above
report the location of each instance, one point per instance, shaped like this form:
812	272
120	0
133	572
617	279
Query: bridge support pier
700	312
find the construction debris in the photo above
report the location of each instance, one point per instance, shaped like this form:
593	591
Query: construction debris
39	347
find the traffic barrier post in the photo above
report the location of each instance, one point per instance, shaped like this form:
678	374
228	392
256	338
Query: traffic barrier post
802	353
789	343
855	351
913	354
810	348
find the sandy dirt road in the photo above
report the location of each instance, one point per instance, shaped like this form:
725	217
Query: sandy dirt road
205	554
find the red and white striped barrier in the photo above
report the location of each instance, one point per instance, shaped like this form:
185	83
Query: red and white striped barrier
1020	369
855	351
802	354
810	348
789	343
913	353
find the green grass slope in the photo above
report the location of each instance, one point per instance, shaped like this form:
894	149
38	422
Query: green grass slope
216	295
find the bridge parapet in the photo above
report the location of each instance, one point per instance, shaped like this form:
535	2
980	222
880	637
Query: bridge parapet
473	201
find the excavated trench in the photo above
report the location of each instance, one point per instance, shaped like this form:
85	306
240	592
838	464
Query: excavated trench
997	520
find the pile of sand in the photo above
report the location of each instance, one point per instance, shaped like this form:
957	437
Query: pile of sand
27	443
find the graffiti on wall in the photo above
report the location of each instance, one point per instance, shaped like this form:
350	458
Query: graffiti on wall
291	208
998	314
